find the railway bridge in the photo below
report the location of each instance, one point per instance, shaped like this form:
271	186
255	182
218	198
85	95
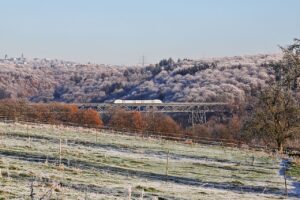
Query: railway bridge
197	110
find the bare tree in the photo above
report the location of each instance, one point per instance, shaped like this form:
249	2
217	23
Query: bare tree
276	118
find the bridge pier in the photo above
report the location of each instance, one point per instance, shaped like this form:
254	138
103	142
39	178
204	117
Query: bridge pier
197	117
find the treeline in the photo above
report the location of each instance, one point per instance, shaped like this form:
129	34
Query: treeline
219	130
52	113
196	68
143	123
223	79
61	113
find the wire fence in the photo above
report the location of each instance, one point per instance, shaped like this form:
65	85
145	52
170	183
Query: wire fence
167	172
180	137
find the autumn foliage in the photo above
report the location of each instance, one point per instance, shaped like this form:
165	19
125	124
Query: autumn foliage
137	122
156	123
52	113
88	117
121	119
218	130
161	123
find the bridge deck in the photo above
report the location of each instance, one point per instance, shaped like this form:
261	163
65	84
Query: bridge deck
171	107
159	104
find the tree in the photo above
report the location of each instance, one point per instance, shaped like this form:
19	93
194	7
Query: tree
201	131
287	71
43	113
137	121
235	126
120	119
167	125
276	117
4	94
7	109
89	118
160	123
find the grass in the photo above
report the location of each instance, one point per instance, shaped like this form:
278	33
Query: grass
107	167
294	171
150	189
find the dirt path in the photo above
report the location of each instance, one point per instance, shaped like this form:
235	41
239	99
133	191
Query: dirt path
295	191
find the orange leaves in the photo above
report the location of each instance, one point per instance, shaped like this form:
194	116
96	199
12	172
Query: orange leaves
52	113
127	120
161	123
137	121
88	118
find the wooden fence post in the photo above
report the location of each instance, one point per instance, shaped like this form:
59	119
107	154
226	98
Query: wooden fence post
285	184
167	164
60	149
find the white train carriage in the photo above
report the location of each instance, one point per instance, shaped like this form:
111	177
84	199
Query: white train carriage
153	101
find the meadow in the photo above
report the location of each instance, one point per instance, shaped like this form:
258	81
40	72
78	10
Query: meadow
57	162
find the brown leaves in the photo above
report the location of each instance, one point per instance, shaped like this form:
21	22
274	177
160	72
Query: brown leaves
89	118
52	113
153	122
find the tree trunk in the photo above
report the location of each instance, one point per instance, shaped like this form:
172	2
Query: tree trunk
280	146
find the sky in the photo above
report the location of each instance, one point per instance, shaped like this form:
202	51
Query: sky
123	31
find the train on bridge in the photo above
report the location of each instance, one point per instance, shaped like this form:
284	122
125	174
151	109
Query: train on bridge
198	111
152	101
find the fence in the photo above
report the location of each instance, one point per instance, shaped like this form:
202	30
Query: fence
180	137
60	150
188	138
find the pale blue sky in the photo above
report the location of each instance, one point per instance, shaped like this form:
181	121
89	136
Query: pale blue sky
121	31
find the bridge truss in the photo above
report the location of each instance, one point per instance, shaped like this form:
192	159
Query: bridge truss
197	111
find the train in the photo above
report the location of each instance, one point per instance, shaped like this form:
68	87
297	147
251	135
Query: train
152	101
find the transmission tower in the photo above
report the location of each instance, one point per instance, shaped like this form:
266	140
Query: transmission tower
143	61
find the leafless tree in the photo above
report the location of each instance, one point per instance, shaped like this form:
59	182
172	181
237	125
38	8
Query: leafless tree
276	116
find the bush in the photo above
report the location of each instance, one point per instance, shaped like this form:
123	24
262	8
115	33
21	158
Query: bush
52	113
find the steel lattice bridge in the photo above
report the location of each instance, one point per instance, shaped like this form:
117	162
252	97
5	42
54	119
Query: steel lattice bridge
197	110
157	107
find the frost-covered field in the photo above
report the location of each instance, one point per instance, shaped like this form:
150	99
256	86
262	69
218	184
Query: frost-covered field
97	165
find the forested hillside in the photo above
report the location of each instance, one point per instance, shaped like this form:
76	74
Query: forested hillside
217	79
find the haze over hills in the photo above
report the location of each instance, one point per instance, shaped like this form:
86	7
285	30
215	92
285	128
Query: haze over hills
214	79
